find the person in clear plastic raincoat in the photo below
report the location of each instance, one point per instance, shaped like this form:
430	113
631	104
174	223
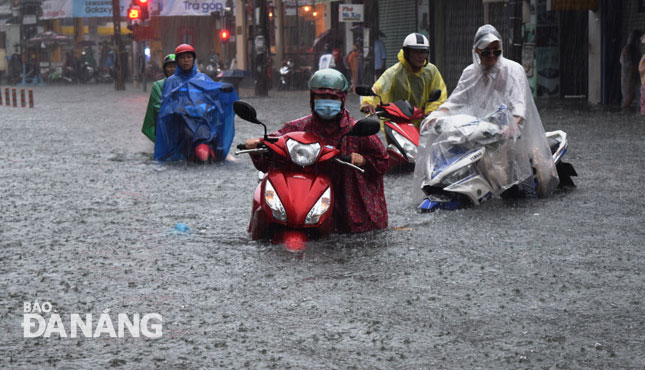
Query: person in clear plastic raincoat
413	78
496	90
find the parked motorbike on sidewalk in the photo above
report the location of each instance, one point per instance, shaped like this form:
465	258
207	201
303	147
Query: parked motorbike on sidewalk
286	75
212	69
85	72
294	200
459	175
104	75
401	135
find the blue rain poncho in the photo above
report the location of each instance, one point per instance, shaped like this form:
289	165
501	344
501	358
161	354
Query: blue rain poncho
194	110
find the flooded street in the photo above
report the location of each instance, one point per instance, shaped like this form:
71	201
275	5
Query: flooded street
86	225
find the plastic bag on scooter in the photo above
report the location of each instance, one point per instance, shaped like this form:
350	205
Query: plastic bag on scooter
196	112
450	138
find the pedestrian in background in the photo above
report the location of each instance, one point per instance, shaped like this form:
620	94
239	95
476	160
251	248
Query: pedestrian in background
352	62
379	56
327	59
629	77
641	70
339	63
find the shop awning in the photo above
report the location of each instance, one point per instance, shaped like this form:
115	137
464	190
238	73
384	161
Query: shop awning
572	5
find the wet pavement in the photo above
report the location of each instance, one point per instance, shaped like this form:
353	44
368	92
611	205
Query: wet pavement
86	226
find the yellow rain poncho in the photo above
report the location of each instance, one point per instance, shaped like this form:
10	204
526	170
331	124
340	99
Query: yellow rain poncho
399	82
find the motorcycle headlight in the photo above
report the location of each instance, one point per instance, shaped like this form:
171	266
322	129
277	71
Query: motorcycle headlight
303	154
408	147
273	201
458	175
319	209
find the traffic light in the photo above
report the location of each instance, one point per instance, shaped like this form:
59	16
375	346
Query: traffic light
224	35
134	16
137	13
143	5
134	13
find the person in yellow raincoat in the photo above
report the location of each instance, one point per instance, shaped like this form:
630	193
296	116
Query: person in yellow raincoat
413	78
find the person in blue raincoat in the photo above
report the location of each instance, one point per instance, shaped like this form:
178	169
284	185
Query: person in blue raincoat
196	114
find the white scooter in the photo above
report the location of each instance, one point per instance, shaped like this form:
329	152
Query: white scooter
457	175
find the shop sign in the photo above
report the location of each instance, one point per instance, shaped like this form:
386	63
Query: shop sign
350	13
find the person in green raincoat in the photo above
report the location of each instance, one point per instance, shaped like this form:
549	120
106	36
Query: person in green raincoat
154	103
413	78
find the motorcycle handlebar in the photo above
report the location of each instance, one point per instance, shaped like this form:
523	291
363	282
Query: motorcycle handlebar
256	150
343	159
347	163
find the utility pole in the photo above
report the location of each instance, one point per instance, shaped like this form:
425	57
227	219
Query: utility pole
262	51
119	84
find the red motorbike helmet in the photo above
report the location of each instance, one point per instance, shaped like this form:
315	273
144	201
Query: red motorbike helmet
185	48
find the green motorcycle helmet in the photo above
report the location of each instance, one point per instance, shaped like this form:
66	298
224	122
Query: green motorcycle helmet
170	58
328	81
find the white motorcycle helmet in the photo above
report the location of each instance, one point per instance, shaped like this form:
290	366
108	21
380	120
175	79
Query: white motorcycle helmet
415	41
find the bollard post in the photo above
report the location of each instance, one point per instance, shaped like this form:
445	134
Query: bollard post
31	98
14	100
0	97
6	96
23	103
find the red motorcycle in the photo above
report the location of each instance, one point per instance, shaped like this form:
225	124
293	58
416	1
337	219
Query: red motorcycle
401	135
294	200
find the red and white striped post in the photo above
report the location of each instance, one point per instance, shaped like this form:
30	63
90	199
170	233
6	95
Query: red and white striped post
13	98
6	96
23	102
31	98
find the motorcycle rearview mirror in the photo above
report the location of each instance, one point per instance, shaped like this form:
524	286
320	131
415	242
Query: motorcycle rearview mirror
434	95
364	90
365	127
248	113
245	111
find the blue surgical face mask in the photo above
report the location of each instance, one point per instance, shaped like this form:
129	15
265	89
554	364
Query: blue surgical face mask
327	108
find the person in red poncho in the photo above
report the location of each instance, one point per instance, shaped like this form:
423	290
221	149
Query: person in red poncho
360	200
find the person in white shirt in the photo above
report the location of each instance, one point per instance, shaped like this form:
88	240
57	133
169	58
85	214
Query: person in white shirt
327	59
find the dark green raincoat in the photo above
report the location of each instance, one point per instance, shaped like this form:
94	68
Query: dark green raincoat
152	113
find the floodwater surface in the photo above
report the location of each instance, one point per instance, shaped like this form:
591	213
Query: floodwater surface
87	225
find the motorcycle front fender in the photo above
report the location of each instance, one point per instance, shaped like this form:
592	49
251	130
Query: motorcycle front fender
298	193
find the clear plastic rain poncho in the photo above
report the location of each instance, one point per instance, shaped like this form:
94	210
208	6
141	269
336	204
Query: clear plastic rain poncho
490	97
